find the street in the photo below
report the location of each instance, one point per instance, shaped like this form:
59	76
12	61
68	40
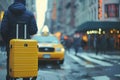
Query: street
83	36
84	66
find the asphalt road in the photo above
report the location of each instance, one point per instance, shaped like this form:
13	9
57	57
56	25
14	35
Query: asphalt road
84	66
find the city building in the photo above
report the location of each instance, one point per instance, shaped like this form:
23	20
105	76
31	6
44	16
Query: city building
61	16
97	10
87	10
86	16
49	21
99	17
69	10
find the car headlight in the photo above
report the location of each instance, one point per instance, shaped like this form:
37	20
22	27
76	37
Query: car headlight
60	49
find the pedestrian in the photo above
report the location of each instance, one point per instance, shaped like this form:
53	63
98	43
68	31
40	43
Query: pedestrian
16	12
98	44
103	43
94	42
68	44
112	42
77	42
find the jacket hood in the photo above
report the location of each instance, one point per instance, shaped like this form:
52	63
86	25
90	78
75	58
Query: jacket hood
17	8
20	1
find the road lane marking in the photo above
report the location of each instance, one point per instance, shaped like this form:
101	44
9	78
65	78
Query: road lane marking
103	58
95	61
111	57
81	62
118	75
101	78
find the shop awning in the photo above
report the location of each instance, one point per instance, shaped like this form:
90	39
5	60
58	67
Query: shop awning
95	25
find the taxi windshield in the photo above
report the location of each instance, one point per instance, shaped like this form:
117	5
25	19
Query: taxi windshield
46	39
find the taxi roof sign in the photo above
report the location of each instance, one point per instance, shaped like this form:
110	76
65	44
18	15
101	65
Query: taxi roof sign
45	31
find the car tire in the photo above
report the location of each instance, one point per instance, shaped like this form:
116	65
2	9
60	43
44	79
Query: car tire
40	62
61	61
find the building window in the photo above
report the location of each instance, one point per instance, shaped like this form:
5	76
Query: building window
111	10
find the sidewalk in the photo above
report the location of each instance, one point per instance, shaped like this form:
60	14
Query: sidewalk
2	74
2	65
2	60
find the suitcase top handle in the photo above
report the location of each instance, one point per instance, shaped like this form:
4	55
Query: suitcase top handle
25	31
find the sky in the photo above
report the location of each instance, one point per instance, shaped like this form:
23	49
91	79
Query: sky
41	7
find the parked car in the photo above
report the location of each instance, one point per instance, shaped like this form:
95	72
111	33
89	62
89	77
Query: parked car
50	48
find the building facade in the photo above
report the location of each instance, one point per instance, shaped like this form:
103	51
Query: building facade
100	12
97	10
61	16
48	16
87	10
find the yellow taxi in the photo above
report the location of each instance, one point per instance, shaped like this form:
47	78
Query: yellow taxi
50	48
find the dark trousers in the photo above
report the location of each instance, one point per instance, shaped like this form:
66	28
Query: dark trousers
76	50
7	65
97	50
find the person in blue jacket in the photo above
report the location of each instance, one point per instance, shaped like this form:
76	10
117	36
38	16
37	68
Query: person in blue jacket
17	14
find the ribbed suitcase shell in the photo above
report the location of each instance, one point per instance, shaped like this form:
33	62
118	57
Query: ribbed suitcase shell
23	58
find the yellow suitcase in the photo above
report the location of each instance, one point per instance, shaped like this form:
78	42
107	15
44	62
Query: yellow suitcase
23	61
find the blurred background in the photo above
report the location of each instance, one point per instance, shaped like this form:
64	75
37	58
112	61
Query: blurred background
67	17
89	31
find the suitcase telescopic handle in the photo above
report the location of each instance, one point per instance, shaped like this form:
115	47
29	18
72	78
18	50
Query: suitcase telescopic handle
17	31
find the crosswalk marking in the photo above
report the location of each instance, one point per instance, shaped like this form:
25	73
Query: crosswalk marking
65	66
111	57
96	61
96	56
117	75
102	57
81	62
101	78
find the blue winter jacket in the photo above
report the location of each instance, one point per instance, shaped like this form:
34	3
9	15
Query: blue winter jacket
17	14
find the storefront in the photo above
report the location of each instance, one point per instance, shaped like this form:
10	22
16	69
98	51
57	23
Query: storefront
108	28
